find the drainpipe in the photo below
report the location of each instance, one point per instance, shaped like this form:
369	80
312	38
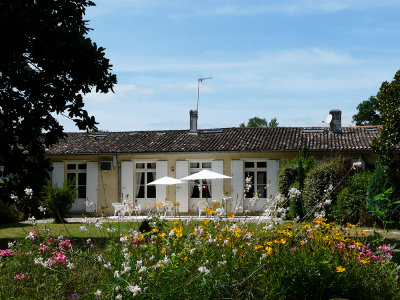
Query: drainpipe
119	179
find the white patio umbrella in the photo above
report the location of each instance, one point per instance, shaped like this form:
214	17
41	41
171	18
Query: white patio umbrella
205	174
165	181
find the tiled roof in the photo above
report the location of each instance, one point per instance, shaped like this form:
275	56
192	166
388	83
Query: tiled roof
235	139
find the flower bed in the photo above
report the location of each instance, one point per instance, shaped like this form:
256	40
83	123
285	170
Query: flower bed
207	260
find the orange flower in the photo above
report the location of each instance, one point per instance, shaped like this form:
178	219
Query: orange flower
231	215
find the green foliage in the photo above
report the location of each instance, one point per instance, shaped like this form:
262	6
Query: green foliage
318	180
273	123
287	176
368	113
389	136
58	200
8	213
258	122
288	173
380	182
47	63
351	200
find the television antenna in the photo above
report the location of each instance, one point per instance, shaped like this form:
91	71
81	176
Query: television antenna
198	92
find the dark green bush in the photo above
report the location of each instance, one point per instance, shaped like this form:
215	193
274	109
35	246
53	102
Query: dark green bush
378	183
288	174
351	201
58	200
8	213
286	177
318	180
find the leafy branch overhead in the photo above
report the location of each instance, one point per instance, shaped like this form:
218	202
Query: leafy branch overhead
47	65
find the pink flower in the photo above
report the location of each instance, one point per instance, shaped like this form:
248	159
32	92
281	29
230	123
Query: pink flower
7	252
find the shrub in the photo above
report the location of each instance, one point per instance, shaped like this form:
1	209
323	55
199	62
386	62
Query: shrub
351	200
286	177
378	183
318	180
58	200
288	174
8	213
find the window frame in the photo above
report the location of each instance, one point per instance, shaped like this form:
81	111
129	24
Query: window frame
255	170
145	170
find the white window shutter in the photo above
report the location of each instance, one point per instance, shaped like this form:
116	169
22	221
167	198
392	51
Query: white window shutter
272	177
161	171
182	189
92	182
57	175
217	187
237	181
127	180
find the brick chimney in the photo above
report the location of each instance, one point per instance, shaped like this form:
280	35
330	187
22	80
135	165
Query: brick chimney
336	123
193	121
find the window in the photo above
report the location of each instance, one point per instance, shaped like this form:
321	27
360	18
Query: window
145	172
196	192
78	171
257	171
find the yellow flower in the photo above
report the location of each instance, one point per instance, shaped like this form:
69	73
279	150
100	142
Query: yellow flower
179	234
257	247
154	230
268	250
364	260
178	228
350	225
175	222
161	235
340	269
206	221
163	250
185	259
231	215
362	232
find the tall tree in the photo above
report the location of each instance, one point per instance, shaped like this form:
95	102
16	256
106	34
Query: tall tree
389	136
258	122
47	63
368	112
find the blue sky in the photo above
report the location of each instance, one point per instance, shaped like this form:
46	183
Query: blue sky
293	60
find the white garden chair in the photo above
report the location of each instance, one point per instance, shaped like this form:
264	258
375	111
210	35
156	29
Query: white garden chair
202	206
170	207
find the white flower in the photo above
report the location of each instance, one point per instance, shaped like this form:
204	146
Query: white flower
42	209
234	251
221	263
98	293
28	192
83	228
13	197
151	258
116	274
107	265
60	238
142	269
192	251
294	193
99	225
139	263
99	258
204	270
134	289
10	245
119	296
110	229
88	241
70	266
